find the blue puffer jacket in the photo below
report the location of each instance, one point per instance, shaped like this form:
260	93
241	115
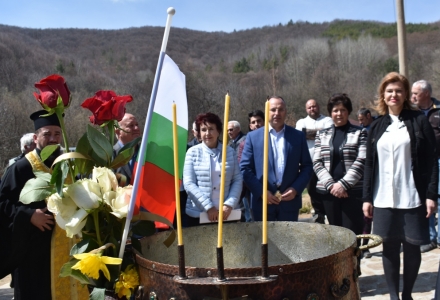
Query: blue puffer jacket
197	179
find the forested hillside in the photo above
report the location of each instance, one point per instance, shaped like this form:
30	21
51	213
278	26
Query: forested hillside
296	60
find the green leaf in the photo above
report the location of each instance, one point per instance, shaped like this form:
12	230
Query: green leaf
43	176
59	101
83	279
59	175
66	270
143	228
122	159
102	150
97	294
83	146
35	190
48	151
87	244
83	167
132	144
125	154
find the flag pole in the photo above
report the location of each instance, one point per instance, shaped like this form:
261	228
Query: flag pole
142	151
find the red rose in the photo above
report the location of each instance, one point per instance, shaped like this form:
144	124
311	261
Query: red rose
106	106
50	88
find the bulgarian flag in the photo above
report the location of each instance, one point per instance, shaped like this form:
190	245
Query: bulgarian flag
156	186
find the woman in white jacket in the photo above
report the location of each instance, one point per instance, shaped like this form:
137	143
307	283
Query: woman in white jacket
202	173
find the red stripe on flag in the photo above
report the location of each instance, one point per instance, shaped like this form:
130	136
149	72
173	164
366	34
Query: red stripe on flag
156	193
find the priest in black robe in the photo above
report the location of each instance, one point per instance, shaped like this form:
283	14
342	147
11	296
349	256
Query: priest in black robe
26	230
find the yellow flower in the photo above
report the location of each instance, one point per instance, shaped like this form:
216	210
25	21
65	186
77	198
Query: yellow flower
128	280
90	263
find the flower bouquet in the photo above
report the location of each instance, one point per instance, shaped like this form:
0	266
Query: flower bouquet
83	194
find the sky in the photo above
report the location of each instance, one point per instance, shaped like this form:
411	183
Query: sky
205	15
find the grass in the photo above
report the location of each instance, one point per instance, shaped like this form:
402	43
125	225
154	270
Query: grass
306	204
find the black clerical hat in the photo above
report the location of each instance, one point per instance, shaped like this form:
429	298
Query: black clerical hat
40	121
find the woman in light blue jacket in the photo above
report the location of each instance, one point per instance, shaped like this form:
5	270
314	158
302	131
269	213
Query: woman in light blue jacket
201	173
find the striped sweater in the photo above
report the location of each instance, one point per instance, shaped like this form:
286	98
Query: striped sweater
353	151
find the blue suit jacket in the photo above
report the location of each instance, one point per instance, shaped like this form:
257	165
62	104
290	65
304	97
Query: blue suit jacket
297	172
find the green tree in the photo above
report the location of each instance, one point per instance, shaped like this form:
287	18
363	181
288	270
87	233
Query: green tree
242	66
59	67
390	65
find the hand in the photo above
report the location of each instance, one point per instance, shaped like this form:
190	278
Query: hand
431	207
271	199
41	220
122	179
226	212
338	191
367	208
213	214
289	194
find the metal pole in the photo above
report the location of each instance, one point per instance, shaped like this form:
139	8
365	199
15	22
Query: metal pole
401	38
143	148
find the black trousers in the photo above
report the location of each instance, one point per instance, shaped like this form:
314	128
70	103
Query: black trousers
345	212
315	197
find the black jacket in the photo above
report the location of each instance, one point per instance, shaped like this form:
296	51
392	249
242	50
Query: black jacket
423	154
23	245
434	120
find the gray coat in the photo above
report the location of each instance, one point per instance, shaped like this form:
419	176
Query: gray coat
197	179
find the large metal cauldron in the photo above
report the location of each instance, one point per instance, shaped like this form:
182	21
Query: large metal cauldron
307	261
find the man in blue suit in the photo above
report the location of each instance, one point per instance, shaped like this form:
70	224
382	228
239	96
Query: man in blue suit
290	166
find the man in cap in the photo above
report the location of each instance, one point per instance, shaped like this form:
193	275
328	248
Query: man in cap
26	230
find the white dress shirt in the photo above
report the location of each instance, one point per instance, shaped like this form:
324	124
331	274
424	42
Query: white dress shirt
278	150
394	185
309	123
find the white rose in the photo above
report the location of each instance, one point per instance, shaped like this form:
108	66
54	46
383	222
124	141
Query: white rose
109	197
65	207
76	223
121	202
106	179
85	193
53	202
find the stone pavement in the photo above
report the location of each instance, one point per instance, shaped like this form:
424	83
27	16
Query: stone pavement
372	282
6	293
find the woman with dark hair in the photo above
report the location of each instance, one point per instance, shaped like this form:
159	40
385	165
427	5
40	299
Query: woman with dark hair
339	165
401	178
202	171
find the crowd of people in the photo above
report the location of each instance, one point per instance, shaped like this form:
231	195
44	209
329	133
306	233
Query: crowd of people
387	168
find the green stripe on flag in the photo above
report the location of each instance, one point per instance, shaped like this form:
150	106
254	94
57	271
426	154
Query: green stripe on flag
160	144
